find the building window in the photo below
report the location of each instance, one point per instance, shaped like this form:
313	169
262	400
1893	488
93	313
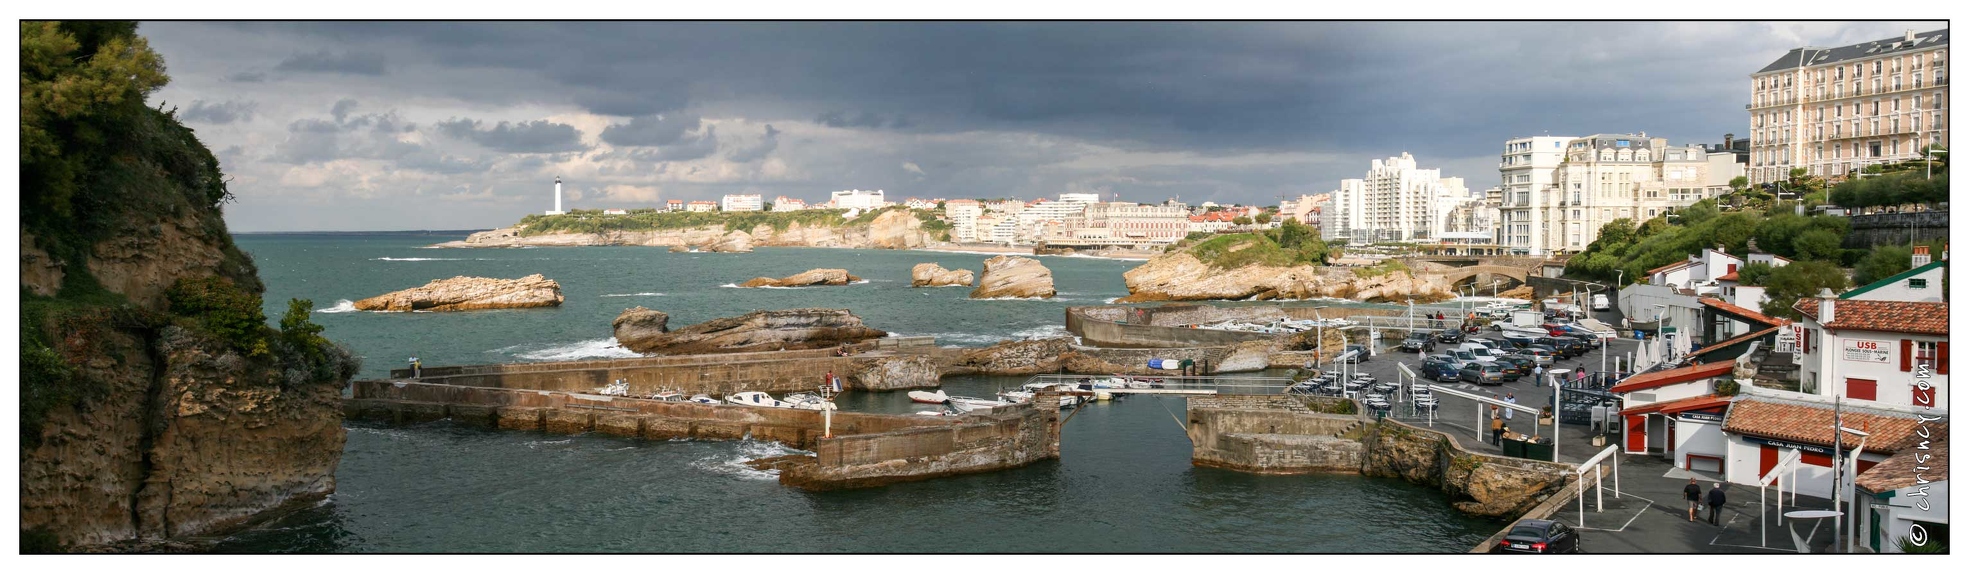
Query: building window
1926	354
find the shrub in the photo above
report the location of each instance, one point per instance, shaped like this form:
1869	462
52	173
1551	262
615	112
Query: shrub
222	310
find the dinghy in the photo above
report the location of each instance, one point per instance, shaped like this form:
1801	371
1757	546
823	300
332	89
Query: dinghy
936	398
757	399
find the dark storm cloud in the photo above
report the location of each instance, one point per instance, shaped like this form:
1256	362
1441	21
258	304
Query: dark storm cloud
651	130
247	77
363	64
757	151
537	136
371	136
838	119
218	112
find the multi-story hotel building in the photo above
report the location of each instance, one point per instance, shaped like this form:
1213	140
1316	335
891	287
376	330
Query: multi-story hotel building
963	215
1395	202
1836	110
742	202
1557	202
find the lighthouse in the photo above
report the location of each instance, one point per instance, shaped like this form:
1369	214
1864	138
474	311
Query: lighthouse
557	197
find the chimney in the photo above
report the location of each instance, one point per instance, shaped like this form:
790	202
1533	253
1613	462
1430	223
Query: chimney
1727	138
1910	37
1920	255
1826	306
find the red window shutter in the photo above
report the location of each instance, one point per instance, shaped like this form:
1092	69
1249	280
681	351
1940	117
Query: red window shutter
1733	268
1924	397
1860	466
1941	358
1907	355
1815	459
1862	389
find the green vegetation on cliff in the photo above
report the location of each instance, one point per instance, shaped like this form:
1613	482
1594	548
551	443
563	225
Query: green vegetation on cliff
593	221
1289	245
99	165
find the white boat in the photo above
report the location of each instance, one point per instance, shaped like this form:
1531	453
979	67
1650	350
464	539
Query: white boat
968	404
757	399
1103	396
702	400
1016	397
809	401
1138	384
941	413
1110	383
936	398
668	397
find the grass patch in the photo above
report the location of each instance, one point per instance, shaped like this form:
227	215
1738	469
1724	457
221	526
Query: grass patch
1385	267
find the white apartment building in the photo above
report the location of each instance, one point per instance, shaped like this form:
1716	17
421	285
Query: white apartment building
1396	201
1557	203
742	202
784	203
857	199
703	206
1080	197
1527	169
963	215
1041	211
1835	110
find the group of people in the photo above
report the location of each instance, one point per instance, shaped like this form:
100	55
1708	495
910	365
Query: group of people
1500	422
1693	492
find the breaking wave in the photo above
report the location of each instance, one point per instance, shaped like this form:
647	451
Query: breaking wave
590	349
733	463
648	294
428	259
343	306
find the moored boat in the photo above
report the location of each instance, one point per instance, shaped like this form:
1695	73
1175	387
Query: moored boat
968	404
935	398
809	401
757	399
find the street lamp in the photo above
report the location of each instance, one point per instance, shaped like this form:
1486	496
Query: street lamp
1928	163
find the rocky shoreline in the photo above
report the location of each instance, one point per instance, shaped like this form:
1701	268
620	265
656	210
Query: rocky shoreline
470	294
1181	276
894	229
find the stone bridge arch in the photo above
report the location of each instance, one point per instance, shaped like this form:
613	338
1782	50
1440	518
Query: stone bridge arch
1461	274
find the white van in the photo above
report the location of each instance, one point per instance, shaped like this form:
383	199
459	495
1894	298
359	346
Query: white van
1477	352
1600	303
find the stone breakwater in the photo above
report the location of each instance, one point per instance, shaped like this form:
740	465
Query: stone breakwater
470	293
646	331
894	229
1294	435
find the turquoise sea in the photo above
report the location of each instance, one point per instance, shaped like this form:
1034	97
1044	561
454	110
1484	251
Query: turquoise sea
1123	483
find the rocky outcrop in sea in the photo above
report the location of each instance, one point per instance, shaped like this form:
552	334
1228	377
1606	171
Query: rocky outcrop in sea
934	275
788	329
469	294
808	278
1014	277
892	229
730	242
1180	276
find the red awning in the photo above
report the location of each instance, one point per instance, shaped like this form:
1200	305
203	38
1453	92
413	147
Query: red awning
1679	405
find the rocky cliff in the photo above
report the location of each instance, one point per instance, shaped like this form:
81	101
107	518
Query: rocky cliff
892	229
1180	276
808	278
934	275
470	293
156	402
1016	277
637	330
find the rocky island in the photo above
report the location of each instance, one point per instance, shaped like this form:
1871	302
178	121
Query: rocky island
1008	276
1255	266
934	275
808	278
469	294
720	232
647	331
157	405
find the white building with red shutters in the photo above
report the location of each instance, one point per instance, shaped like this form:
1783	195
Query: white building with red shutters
1885	342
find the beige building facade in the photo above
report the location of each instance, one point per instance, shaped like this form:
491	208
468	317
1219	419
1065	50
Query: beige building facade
1835	110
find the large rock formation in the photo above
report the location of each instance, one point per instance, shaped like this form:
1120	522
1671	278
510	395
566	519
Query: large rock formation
470	293
640	327
1013	276
896	229
155	403
934	275
808	278
1479	484
732	242
756	331
891	229
1180	276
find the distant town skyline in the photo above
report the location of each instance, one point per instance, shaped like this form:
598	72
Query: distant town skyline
379	126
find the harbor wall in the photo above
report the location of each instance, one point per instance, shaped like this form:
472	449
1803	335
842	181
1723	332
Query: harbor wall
1168	325
1106	333
1008	437
1477	483
716	375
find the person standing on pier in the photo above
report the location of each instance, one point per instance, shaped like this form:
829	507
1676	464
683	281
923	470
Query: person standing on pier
1694	495
1496	428
1716	500
1509	398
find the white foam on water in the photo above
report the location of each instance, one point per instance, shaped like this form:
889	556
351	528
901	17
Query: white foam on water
649	294
421	259
1041	332
733	463
589	349
958	339
343	306
536	444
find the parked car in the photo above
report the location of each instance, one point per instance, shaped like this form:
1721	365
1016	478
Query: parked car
1600	303
1516	366
1540	537
1590	341
1449	336
1540	354
1360	353
1440	371
1562	348
1482	374
1519	342
1418	342
1449	359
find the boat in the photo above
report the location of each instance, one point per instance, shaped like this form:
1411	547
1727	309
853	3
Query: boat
757	399
1110	383
938	413
809	401
668	397
1016	397
1138	384
968	404
1103	396
936	398
702	400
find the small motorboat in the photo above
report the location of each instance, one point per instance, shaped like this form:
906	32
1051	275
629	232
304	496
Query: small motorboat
809	401
1016	397
1138	384
702	400
936	398
669	397
1103	396
1110	383
757	399
939	413
968	404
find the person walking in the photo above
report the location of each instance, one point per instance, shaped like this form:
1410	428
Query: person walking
1716	500
1694	495
1496	428
1538	376
1509	398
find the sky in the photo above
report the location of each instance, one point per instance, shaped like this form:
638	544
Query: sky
363	126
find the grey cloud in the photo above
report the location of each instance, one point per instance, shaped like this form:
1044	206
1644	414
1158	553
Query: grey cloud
650	130
247	77
371	136
690	148
342	108
357	63
839	119
219	112
758	151
434	162
537	136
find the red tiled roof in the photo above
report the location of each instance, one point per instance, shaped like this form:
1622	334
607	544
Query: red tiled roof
1812	424
1737	339
1731	276
1679	405
1743	312
1917	317
1656	379
1903	470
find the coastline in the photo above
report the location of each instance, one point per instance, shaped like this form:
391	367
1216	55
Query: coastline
1027	251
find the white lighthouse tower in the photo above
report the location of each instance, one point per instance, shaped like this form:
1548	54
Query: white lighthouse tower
557	197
